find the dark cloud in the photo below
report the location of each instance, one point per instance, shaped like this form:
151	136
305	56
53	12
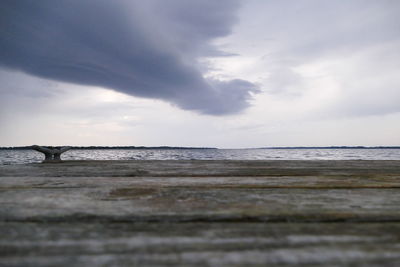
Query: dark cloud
142	48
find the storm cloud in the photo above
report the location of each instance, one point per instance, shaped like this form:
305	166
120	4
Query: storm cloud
146	48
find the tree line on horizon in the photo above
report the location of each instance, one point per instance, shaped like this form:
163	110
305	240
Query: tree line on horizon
175	147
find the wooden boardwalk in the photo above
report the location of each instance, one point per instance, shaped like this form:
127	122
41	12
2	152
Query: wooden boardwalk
200	213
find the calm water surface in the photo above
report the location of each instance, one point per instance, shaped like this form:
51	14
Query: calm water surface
30	156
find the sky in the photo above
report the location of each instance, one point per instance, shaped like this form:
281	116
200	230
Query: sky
226	74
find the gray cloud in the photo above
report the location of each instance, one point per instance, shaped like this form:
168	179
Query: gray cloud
348	49
142	48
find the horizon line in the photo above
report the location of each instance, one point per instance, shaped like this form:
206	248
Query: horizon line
190	147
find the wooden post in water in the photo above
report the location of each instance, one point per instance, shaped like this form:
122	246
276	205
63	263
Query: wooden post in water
51	154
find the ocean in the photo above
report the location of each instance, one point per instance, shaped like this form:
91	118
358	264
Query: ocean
29	156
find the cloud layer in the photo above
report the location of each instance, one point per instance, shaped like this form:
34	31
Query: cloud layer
338	58
142	48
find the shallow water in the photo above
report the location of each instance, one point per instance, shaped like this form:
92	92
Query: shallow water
30	156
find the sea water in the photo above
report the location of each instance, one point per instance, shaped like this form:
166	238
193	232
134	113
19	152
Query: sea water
31	156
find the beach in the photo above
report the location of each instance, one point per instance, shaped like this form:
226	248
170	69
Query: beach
201	213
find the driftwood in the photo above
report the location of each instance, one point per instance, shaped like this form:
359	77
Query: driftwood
51	154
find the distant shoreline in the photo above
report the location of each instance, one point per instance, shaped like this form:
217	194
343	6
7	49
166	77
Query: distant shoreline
334	147
207	148
112	147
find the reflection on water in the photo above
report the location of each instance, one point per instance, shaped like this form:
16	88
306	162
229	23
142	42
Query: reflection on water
29	156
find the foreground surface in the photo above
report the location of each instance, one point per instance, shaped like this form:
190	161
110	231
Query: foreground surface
205	213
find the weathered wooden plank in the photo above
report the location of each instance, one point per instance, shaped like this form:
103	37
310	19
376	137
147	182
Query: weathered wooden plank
182	212
112	202
251	182
204	168
199	244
